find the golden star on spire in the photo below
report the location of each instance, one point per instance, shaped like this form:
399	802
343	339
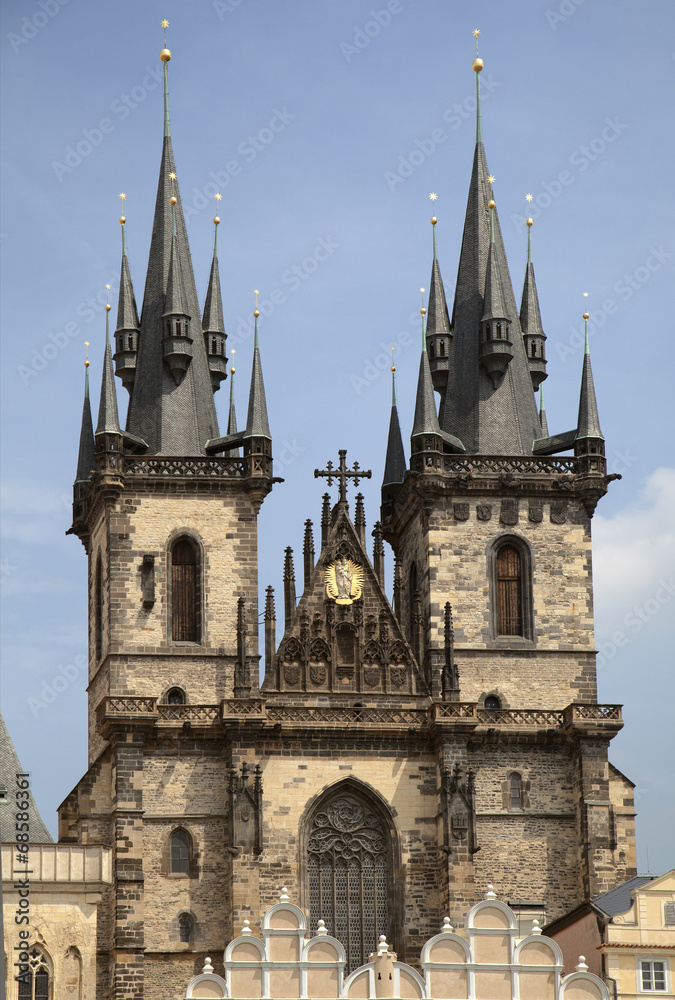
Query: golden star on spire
529	197
172	176
433	196
122	196
164	24
491	179
476	32
218	197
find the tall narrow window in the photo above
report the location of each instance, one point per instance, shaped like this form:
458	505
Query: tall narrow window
98	608
349	864
509	592
184	592
515	792
180	853
35	985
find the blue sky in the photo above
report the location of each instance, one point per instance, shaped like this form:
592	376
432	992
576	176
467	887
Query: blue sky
325	126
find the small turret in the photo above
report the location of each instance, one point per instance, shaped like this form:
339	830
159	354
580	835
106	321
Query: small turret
589	445
426	446
495	348
257	438
530	319
128	327
212	322
85	455
108	437
439	335
176	342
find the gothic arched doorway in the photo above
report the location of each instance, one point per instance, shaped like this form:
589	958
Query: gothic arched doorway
349	868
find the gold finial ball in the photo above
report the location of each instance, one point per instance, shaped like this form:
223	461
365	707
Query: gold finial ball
256	313
86	364
233	371
108	307
423	311
433	220
477	65
528	221
587	315
123	219
393	368
173	200
165	55
491	203
216	220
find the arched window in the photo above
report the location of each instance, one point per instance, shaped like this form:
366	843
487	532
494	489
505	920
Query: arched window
35	986
349	860
509	592
175	697
184	591
98	608
185	928
492	703
442	348
180	853
515	791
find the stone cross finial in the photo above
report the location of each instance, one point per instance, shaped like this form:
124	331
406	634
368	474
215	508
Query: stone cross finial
342	474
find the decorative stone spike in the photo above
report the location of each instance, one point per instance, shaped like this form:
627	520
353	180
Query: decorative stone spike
581	966
447	927
382	946
321	929
283	895
308	552
325	518
246	929
208	968
490	894
360	519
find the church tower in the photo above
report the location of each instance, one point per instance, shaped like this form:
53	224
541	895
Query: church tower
395	759
166	509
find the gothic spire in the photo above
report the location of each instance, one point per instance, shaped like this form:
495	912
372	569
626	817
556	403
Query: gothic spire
394	464
173	412
213	324
588	424
257	424
232	413
127	330
489	419
108	417
85	455
426	419
530	319
439	335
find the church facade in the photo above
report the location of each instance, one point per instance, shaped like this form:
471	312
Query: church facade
395	759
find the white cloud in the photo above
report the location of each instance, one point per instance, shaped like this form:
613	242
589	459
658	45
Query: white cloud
633	553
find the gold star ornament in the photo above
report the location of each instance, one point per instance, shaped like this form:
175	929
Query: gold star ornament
165	54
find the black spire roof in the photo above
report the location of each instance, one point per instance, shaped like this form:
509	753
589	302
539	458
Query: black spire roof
175	303
588	424
127	313
85	455
257	424
108	417
394	464
426	418
174	418
10	766
212	320
490	421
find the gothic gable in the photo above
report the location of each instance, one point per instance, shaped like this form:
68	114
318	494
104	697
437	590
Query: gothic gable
343	636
